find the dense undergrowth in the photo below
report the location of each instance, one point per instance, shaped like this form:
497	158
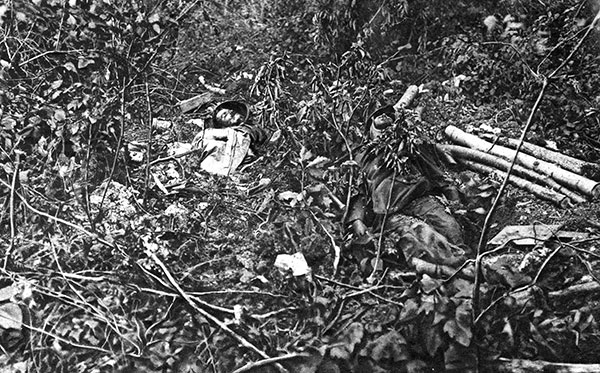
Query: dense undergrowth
85	227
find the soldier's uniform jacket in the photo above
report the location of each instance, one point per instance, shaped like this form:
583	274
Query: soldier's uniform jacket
420	223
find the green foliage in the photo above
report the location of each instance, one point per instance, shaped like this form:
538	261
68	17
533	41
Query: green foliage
443	319
78	79
66	68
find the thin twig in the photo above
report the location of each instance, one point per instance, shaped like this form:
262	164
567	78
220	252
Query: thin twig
149	145
336	248
11	207
573	247
457	272
186	11
471	261
516	51
557	46
545	264
193	303
195	296
86	178
347	286
64	340
116	158
481	247
498	300
487	223
588	267
579	44
60	26
64	222
75	344
175	156
261	363
371	278
350	157
268	315
55	52
87	308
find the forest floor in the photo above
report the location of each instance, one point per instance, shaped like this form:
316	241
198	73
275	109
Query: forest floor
183	276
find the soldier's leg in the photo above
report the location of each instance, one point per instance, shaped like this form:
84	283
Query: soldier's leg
432	212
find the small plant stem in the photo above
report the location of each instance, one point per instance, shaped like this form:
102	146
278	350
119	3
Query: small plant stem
576	48
9	249
46	53
488	219
86	178
244	342
62	221
350	155
336	248
60	27
149	145
272	360
486	225
371	278
116	158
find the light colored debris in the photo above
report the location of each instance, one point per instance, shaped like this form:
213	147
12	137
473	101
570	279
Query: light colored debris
225	149
195	102
161	124
296	263
530	235
408	96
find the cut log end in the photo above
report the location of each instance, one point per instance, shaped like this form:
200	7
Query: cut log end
567	178
591	171
596	191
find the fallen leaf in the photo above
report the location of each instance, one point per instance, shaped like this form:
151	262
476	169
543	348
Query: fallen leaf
11	316
7	292
351	337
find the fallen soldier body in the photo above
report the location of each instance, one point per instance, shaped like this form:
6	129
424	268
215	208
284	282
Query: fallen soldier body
403	196
404	188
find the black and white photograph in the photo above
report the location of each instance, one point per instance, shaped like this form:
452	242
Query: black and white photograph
299	186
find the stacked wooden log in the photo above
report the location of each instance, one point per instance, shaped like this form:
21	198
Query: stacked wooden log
545	173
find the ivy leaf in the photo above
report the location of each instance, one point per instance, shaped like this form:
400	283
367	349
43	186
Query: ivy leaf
438	318
70	66
457	358
458	332
465	289
305	154
427	304
480	211
433	340
508	330
11	316
390	346
8	292
318	161
60	115
83	62
451	355
428	284
410	310
539	338
56	84
351	337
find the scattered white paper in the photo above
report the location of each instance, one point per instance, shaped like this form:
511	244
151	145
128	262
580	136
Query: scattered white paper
296	263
